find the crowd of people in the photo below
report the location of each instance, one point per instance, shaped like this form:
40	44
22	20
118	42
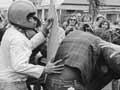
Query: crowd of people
88	57
100	26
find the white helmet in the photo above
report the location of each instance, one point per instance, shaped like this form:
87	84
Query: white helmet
18	13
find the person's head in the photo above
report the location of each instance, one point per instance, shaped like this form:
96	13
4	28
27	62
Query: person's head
78	16
72	21
86	18
100	18
22	13
104	25
87	28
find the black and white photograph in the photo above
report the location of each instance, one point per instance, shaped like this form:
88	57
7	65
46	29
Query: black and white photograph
59	44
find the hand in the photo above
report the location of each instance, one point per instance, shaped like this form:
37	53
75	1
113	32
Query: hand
69	28
48	25
54	67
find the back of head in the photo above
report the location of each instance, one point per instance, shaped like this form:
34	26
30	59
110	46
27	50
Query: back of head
99	16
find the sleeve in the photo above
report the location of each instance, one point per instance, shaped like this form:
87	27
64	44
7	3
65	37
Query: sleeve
111	53
19	55
37	40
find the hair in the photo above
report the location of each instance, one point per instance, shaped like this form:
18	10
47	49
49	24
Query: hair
83	17
97	19
68	21
84	27
102	22
87	25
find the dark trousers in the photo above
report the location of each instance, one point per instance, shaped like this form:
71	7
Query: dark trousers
69	79
56	84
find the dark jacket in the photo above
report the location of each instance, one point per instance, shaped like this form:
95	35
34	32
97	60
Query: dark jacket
84	51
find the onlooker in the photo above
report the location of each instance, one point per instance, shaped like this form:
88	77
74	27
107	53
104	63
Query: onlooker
98	20
87	28
104	31
72	22
79	22
86	18
64	25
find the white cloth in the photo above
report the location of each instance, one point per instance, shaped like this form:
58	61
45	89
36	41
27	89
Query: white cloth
61	35
15	51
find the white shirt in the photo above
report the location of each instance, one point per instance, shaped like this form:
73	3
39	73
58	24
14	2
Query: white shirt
15	52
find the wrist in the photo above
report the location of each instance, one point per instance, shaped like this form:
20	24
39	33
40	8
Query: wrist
44	76
45	32
45	70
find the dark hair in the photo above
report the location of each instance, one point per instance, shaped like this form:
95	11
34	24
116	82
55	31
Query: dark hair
86	16
68	21
102	22
87	30
98	18
84	27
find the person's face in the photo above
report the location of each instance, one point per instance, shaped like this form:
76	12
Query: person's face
79	18
100	19
72	21
86	19
32	20
104	25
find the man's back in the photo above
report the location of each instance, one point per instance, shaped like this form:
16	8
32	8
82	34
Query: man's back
80	50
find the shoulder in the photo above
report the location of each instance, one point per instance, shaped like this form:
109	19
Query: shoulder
13	35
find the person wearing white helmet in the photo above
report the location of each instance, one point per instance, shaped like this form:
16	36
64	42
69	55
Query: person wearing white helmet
16	48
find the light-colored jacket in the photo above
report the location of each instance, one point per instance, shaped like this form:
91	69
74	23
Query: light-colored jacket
15	52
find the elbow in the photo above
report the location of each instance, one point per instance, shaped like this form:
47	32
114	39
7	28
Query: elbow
115	64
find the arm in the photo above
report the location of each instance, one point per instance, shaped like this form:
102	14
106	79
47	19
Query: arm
38	39
111	53
20	53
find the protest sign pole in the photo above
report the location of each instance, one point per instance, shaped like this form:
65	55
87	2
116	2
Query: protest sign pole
53	42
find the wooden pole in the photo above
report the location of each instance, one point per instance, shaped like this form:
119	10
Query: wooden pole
53	42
